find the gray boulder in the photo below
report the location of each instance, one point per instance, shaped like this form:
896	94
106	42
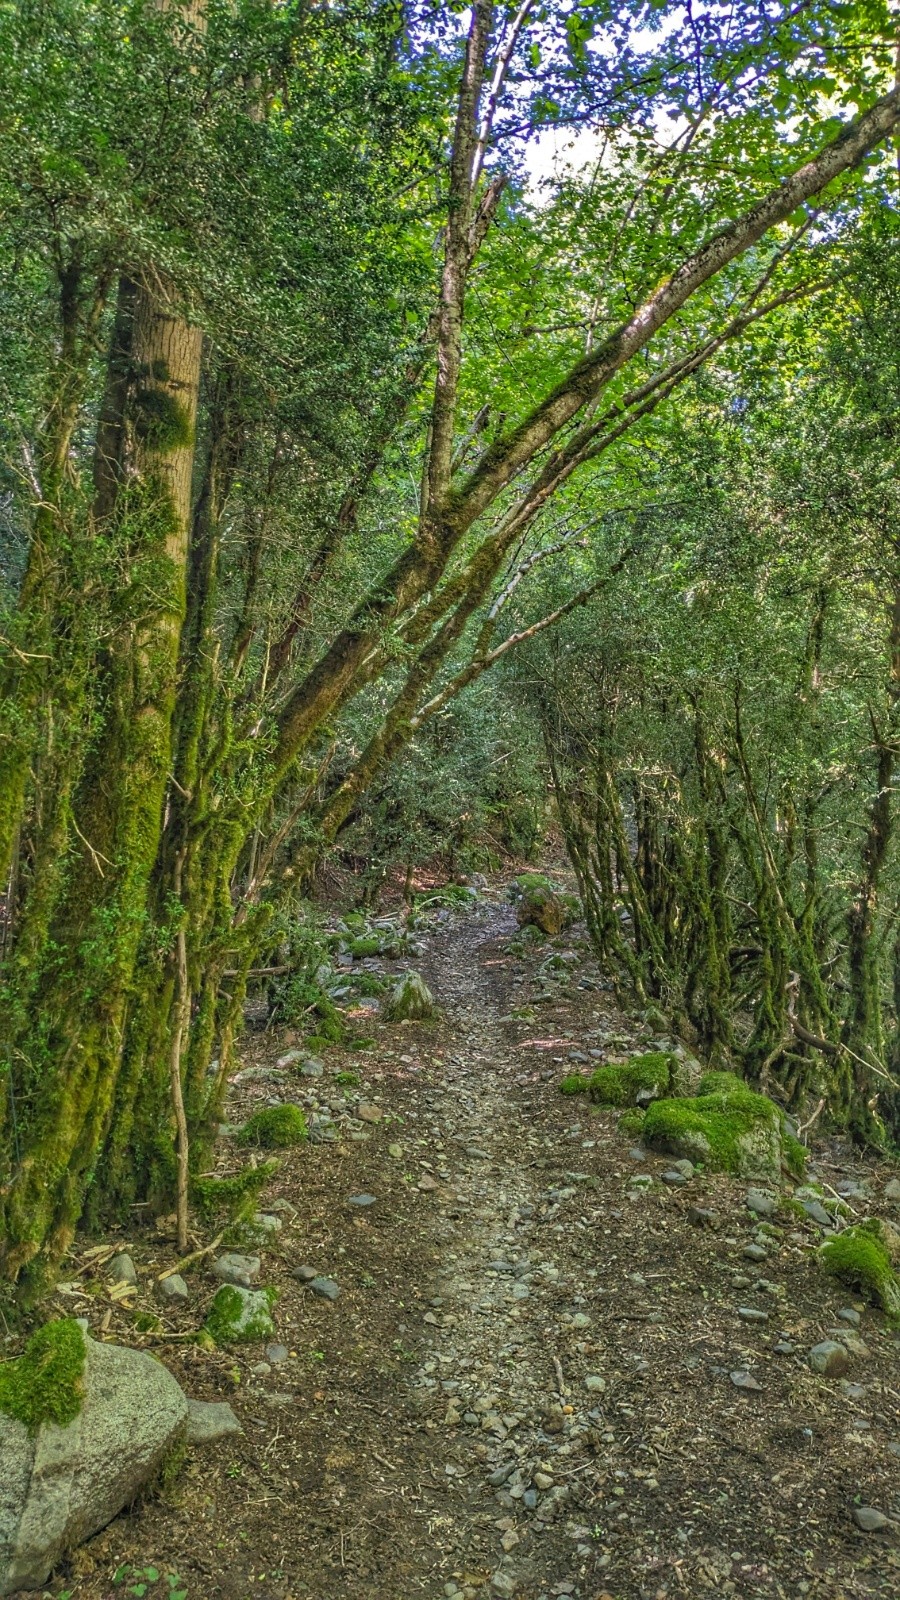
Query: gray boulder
60	1485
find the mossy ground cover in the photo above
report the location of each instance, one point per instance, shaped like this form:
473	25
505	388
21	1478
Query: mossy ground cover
620	1084
275	1128
861	1260
44	1383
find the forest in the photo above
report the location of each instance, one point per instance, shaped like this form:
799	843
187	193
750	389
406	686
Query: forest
440	445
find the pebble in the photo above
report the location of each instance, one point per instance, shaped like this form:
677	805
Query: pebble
210	1420
700	1217
326	1287
121	1269
172	1288
871	1520
305	1274
761	1203
594	1383
313	1068
816	1212
500	1475
829	1359
755	1252
751	1314
675	1180
892	1192
237	1269
277	1353
784	1347
849	1314
395	1151
503	1584
368	1112
744	1380
363	1200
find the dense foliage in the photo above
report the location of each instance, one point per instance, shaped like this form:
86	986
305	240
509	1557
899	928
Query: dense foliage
320	400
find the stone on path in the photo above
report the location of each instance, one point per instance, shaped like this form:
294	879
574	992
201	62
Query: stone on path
210	1420
121	1269
761	1202
234	1268
326	1288
829	1359
172	1287
871	1520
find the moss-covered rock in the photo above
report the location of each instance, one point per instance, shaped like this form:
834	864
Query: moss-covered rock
410	1000
722	1083
540	906
275	1128
369	944
861	1259
731	1130
639	1080
238	1316
631	1122
45	1383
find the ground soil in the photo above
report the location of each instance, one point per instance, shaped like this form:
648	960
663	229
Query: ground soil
507	1257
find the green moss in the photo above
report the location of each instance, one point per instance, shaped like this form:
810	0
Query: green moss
722	1083
575	1083
794	1154
369	945
620	1085
275	1128
239	1317
45	1383
860	1259
161	422
233	1197
631	1122
346	1079
734	1131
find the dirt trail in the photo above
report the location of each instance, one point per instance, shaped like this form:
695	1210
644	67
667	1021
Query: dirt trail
525	1387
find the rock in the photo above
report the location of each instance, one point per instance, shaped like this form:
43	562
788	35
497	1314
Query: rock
395	1151
849	1314
503	1584
264	1226
784	1347
829	1359
410	1000
750	1314
121	1269
700	1217
427	1183
674	1178
210	1420
362	1200
870	1520
852	1391
892	1191
304	1274
816	1212
63	1484
172	1288
312	1068
853	1344
368	1112
277	1353
744	1380
499	1476
686	1168
761	1202
540	907
238	1315
594	1383
325	1287
755	1252
234	1268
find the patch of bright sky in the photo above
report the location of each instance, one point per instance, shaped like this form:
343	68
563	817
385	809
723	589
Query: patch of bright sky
557	153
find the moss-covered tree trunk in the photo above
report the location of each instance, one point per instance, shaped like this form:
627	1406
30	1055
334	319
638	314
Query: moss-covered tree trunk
70	1044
